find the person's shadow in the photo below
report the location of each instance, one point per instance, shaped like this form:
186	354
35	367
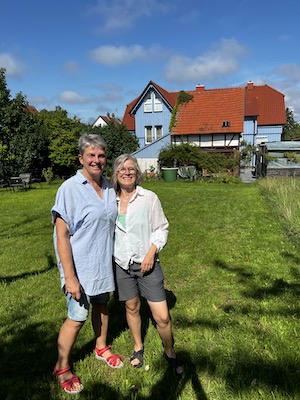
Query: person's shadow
171	386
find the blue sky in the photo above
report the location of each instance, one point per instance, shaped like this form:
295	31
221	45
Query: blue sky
91	57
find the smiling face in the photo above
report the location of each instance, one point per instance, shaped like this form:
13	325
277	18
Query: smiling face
93	161
126	175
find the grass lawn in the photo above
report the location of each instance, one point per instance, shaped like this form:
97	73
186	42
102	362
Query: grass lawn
232	279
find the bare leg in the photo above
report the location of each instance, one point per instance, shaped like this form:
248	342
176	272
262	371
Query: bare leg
161	316
100	325
67	337
135	324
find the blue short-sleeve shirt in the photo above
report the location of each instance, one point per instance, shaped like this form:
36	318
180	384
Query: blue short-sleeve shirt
91	222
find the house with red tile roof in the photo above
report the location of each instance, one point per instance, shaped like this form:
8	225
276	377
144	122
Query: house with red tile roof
104	120
265	114
213	119
217	120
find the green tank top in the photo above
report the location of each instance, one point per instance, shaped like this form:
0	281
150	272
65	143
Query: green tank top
122	220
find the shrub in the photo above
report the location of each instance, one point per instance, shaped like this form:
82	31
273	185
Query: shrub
47	174
188	154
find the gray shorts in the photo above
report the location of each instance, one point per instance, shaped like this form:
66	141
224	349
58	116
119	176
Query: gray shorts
130	283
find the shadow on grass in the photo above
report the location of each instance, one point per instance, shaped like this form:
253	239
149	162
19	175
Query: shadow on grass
26	360
242	273
10	279
255	372
12	231
276	288
252	370
169	387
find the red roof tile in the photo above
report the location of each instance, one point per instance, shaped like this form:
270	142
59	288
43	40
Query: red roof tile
129	119
209	109
31	109
266	103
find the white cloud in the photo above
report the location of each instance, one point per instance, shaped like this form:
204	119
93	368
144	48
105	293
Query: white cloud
113	55
122	14
221	60
71	97
288	82
14	67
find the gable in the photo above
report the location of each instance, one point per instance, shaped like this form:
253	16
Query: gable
266	103
169	98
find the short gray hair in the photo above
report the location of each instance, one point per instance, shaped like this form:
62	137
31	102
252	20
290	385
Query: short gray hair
119	163
93	140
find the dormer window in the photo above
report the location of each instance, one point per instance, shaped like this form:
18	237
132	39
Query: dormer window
225	124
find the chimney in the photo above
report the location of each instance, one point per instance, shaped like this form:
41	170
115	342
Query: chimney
108	115
250	85
200	88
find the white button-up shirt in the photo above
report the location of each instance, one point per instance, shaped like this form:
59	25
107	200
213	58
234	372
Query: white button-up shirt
146	224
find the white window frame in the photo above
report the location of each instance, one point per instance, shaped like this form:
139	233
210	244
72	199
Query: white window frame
157	104
148	104
156	129
148	129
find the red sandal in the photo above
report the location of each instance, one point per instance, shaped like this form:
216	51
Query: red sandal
68	384
111	361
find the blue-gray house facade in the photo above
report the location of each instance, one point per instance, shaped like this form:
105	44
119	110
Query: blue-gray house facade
149	115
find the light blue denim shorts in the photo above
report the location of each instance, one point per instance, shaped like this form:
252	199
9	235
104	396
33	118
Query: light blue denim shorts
78	310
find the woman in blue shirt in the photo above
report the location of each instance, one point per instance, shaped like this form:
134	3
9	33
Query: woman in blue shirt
84	217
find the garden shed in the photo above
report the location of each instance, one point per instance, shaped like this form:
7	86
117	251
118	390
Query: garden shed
278	159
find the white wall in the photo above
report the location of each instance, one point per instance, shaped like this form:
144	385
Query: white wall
146	163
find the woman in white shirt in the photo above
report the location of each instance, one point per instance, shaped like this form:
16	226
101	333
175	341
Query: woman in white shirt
141	232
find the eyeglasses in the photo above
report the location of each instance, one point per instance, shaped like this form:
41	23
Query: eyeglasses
128	170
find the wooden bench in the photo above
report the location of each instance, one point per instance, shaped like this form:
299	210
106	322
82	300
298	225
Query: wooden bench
16	182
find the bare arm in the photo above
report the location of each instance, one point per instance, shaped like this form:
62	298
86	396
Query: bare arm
65	255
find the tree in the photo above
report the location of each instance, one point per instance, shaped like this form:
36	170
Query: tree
119	141
17	126
63	134
291	129
48	139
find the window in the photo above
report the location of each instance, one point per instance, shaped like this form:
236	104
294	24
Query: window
157	104
148	104
225	124
158	132
148	134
